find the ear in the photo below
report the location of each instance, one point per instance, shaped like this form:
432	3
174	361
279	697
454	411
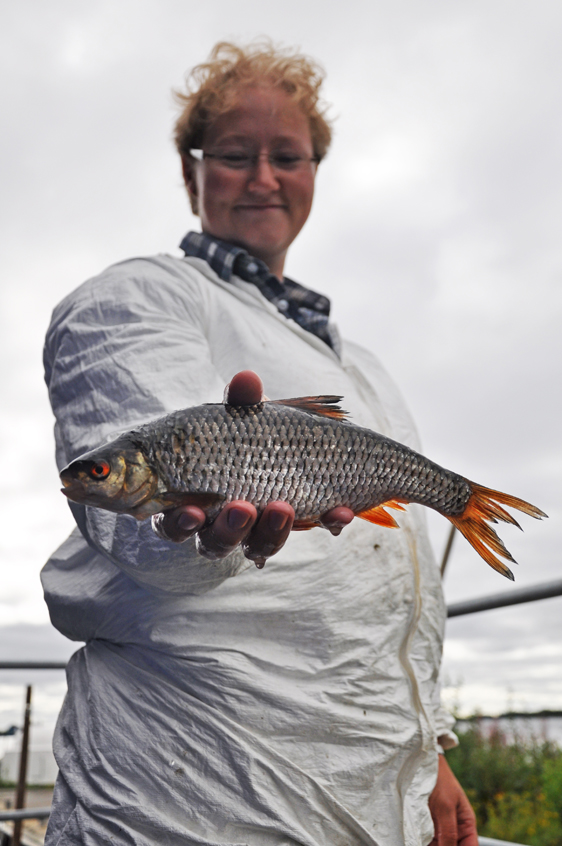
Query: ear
187	166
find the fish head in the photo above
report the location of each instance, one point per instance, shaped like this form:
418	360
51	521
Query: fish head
116	478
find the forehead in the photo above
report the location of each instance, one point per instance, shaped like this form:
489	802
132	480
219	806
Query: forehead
263	115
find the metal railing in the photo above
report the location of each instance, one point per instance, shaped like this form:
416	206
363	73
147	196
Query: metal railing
33	665
25	814
546	590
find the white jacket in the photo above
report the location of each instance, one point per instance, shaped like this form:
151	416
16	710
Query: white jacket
214	703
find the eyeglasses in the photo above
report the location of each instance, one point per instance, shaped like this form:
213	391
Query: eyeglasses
240	160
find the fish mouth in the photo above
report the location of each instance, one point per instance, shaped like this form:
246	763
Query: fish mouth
73	488
70	485
68	481
74	491
76	496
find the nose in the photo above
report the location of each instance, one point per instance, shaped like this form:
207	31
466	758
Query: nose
263	175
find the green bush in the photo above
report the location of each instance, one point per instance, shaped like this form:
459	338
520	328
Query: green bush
515	787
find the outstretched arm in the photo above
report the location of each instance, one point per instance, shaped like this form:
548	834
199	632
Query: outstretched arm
238	522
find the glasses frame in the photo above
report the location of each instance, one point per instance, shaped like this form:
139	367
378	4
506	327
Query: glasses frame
200	155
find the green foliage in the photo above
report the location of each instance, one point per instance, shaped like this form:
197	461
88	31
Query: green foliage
553	782
515	787
524	818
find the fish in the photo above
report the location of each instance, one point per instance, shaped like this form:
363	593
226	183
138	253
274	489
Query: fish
303	450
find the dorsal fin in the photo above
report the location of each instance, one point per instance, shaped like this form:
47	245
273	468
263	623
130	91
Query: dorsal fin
325	406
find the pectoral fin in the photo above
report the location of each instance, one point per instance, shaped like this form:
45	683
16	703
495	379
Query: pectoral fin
305	525
200	500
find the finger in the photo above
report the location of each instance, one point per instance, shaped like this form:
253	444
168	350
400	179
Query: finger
229	529
445	822
466	823
246	388
337	519
447	835
178	524
270	533
444	813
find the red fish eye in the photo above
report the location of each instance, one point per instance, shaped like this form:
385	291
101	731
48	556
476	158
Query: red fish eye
101	470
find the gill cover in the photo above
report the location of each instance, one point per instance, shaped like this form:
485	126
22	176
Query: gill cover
116	478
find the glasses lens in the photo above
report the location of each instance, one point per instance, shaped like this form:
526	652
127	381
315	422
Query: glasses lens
287	161
235	160
242	160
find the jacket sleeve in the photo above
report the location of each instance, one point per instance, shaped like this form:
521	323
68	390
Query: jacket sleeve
443	721
124	348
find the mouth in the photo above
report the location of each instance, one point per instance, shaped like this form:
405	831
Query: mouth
260	206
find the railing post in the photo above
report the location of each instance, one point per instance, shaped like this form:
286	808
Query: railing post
22	777
448	547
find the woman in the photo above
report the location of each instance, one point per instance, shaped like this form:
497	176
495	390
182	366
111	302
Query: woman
215	702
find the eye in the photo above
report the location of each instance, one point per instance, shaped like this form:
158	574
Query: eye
100	470
286	161
235	159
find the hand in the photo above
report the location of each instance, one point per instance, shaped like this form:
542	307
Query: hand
453	817
238	521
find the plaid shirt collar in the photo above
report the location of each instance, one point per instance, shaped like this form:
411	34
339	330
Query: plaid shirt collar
307	308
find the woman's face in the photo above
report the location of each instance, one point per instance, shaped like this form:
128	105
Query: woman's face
260	207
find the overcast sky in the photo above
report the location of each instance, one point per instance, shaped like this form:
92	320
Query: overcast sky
436	232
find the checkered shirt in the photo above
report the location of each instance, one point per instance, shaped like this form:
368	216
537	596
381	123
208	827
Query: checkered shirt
307	308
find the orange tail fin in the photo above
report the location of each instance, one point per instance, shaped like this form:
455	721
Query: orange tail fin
484	505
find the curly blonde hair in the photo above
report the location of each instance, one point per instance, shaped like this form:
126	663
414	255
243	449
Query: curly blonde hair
213	86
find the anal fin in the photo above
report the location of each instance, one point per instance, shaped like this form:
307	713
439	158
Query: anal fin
381	517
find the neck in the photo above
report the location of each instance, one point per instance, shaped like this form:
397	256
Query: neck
275	262
276	265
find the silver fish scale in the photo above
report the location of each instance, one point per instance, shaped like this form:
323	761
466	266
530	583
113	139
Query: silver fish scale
270	451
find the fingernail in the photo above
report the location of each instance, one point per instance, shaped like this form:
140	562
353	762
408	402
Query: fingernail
260	563
187	522
237	519
277	520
